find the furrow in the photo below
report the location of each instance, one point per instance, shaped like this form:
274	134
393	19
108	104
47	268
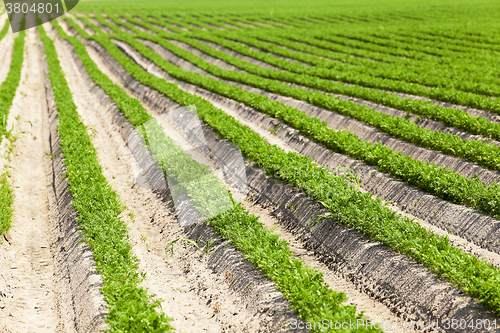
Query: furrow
493	117
339	122
448	221
101	26
47	281
362	259
80	23
259	310
98	209
6	45
298	269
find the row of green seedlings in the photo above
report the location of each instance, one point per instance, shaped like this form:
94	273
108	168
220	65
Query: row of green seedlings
442	46
249	23
453	117
398	127
487	37
416	73
421	47
131	308
385	53
458	93
302	286
441	182
455	70
346	204
274	21
447	39
463	38
4	30
195	24
398	80
382	70
8	90
480	71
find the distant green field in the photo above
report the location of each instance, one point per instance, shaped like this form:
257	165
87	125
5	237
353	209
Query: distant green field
460	11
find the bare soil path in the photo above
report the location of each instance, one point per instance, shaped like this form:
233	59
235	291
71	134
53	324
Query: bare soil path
375	310
28	297
197	299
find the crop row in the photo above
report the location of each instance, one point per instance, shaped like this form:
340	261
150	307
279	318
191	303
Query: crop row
452	39
98	208
420	47
306	23
402	56
8	90
463	38
476	151
8	87
481	68
438	181
416	73
326	39
346	204
452	117
4	30
301	285
423	38
425	108
6	201
344	73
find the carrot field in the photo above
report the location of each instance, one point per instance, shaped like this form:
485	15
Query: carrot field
250	166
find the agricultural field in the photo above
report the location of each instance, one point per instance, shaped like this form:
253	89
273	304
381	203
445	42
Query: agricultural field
251	166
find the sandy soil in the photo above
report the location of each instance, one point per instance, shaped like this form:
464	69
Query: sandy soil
374	310
217	101
6	45
197	299
458	241
77	21
3	18
28	293
101	26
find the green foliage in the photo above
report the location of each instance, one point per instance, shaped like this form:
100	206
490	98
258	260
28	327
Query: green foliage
346	204
131	309
4	30
441	182
208	245
9	87
473	150
6	201
7	93
450	116
304	287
